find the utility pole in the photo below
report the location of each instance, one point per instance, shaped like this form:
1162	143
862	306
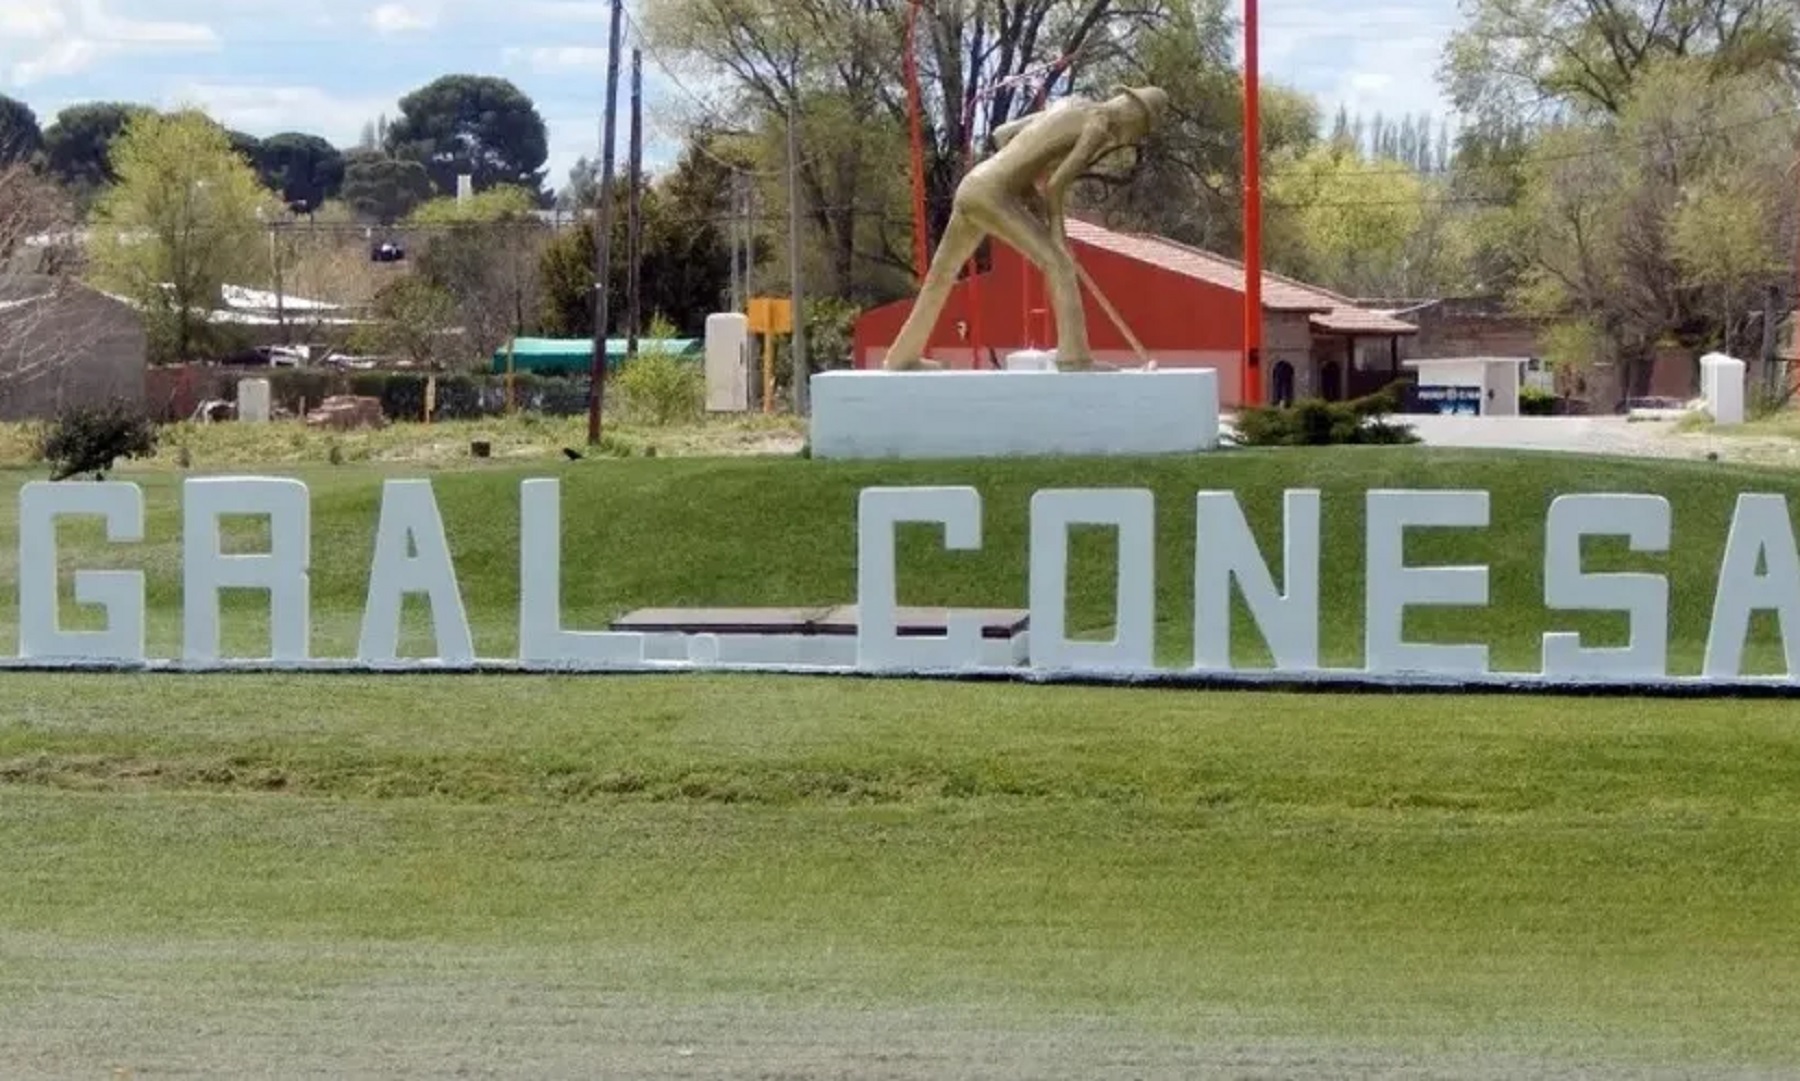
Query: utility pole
797	344
736	300
280	289
749	212
634	245
1771	365
749	238
603	234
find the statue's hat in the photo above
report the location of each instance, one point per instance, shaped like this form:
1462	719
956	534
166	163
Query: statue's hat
1151	99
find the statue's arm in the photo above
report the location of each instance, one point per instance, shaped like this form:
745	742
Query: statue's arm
1094	139
1005	132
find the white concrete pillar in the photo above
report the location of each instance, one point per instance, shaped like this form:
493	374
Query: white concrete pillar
1722	384
253	400
727	362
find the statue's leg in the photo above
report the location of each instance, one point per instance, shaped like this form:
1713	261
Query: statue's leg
1012	223
961	237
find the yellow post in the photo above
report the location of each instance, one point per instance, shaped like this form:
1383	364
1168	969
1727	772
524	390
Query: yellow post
768	373
769	316
430	396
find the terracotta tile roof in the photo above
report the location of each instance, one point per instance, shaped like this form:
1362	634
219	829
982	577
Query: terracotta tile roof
1363	321
1329	311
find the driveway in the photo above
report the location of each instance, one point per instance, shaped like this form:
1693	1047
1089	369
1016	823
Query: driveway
1613	435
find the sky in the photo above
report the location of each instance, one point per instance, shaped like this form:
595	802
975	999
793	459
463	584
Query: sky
330	66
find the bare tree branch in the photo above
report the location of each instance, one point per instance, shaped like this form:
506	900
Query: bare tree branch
43	332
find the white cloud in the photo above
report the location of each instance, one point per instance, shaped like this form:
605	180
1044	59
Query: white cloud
49	38
265	110
550	59
402	18
1368	56
567	11
30	20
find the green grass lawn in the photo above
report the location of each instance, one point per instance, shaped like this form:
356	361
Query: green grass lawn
1598	880
191	862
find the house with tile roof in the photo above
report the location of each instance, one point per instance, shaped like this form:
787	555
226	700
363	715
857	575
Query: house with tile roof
1184	305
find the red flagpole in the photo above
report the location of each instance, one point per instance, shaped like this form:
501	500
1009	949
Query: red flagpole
1253	328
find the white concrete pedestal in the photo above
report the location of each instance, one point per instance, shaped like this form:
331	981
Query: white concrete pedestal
989	414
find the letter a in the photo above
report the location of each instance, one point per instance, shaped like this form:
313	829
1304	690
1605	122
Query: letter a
412	556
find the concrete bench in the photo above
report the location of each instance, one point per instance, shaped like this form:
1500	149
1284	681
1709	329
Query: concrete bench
820	635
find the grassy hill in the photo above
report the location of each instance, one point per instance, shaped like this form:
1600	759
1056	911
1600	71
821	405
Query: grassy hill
760	531
722	876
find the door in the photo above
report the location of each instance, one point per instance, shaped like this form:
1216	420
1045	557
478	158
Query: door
1331	381
1283	389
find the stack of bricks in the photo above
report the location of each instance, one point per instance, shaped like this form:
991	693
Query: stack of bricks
347	411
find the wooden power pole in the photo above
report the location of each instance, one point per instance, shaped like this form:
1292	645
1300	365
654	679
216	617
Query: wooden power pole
797	343
603	231
634	243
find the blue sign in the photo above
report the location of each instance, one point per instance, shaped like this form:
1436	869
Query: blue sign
1457	401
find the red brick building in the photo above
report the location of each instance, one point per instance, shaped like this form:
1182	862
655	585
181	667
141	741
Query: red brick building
1185	306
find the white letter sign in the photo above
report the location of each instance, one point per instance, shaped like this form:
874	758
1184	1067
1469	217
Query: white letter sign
412	556
1645	520
1392	586
282	570
1224	549
1133	513
541	637
1760	572
119	593
879	643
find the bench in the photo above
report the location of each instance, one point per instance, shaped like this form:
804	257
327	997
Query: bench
818	635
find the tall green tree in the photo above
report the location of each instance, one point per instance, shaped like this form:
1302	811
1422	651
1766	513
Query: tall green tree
1186	180
1581	58
840	65
1662	225
484	254
303	168
685	272
476	124
1365	226
183	219
382	188
78	144
21	140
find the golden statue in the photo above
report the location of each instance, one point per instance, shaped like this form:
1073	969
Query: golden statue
996	199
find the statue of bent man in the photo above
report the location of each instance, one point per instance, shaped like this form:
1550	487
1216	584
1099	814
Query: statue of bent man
993	200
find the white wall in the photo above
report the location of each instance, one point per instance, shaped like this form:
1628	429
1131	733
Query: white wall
1498	380
1500	393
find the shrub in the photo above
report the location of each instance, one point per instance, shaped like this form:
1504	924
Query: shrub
660	388
1763	402
1536	402
1314	422
89	438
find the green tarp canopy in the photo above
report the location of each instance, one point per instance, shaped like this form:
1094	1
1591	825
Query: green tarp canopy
575	356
